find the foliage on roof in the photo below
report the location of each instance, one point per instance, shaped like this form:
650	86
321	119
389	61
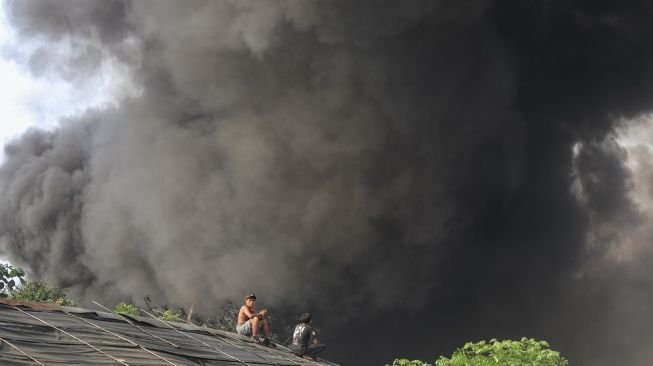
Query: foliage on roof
169	316
39	291
126	309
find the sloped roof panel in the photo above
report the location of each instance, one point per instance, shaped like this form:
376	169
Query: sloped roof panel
52	335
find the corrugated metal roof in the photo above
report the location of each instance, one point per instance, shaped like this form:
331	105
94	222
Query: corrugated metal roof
42	334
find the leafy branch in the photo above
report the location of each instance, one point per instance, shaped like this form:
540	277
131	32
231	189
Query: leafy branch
8	277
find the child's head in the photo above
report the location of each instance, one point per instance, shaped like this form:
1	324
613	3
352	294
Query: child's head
305	318
250	299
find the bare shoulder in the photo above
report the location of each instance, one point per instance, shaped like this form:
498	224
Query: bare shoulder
242	315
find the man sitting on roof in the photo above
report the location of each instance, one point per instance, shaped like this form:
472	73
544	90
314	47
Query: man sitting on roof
251	322
304	340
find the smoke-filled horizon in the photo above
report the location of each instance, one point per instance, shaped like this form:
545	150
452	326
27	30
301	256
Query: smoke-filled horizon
417	174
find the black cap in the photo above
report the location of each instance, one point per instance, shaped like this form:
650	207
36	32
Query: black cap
305	318
250	296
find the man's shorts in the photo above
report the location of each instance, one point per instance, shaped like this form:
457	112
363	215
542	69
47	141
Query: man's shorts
246	328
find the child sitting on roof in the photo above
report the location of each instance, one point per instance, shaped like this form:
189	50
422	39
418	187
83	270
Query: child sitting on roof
304	339
251	322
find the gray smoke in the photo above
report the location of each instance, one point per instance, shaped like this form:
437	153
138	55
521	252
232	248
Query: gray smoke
410	161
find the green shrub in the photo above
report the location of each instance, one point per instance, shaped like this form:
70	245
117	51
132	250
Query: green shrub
523	352
126	309
39	291
169	316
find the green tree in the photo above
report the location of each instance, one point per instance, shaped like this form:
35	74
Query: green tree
8	277
405	362
39	291
505	353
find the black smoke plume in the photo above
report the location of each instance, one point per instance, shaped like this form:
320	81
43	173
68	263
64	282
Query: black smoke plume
417	174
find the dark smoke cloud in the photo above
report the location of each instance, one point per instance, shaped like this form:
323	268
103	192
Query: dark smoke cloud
425	172
42	201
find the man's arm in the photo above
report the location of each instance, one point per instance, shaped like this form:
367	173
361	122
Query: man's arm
245	310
